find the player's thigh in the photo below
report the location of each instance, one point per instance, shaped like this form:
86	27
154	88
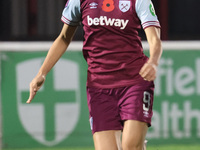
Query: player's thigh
134	133
103	110
107	140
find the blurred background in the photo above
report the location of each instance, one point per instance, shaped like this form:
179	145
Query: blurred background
58	118
33	20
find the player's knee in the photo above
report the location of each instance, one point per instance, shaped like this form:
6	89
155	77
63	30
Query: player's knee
131	146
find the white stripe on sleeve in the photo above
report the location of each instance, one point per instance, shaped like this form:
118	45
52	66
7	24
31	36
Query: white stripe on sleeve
71	14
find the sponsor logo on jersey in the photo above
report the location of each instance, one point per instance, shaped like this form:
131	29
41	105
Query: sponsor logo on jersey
104	21
152	10
124	5
93	5
108	5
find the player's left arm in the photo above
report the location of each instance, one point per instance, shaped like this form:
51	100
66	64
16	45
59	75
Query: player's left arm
148	71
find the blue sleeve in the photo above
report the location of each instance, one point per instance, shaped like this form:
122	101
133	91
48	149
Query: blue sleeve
146	13
71	14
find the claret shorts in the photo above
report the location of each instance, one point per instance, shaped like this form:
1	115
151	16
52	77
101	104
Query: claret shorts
109	108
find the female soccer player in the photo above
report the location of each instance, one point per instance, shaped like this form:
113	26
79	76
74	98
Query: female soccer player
120	77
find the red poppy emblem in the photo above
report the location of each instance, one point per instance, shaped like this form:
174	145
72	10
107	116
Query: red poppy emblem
108	5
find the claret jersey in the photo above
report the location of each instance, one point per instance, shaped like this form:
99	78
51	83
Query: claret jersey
112	47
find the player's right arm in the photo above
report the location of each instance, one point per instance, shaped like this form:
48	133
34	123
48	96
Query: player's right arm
57	49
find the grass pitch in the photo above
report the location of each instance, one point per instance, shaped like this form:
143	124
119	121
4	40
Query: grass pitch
167	147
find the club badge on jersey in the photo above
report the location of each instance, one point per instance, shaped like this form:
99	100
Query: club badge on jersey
124	5
108	5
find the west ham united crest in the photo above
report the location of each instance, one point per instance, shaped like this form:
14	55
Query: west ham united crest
124	5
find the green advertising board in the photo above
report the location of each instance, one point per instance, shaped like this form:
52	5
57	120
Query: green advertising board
177	99
58	116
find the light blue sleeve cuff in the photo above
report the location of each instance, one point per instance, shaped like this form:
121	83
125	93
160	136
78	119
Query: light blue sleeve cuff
146	13
71	14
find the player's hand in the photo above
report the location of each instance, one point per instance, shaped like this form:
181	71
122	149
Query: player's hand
148	71
35	85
